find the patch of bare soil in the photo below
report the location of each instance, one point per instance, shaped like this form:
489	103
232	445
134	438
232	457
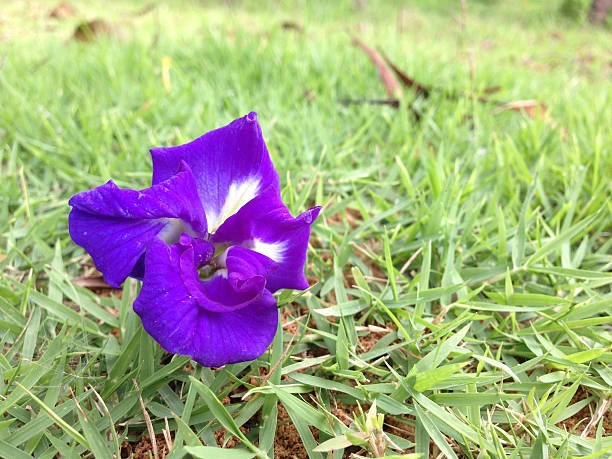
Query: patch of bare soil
287	443
349	215
144	449
288	315
582	417
375	245
344	412
220	435
368	341
395	426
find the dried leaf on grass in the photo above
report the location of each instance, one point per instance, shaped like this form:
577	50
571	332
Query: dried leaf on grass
90	282
491	89
289	25
530	107
145	10
90	30
406	80
392	86
387	69
426	91
533	109
62	11
392	102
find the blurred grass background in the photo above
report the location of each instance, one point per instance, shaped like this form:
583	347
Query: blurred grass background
485	210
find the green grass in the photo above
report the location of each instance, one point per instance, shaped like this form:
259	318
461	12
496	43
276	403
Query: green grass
480	240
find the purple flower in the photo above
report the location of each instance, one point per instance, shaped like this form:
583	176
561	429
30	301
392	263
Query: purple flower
211	239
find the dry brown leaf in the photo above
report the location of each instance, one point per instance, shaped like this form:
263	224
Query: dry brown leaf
533	109
392	102
90	282
309	95
62	11
145	10
89	31
289	25
147	105
530	107
426	91
538	66
599	11
408	82
491	89
392	86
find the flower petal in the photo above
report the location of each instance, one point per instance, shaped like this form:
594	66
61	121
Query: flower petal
114	225
187	316
247	270
231	166
265	226
203	251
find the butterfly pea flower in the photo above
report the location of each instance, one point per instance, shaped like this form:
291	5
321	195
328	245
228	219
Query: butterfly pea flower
211	240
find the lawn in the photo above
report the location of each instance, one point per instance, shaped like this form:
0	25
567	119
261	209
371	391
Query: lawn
460	270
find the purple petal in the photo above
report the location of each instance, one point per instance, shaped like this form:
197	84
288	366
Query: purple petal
188	316
231	166
203	251
114	225
266	226
247	270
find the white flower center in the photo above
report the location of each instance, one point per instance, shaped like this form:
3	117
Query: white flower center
273	250
237	196
172	231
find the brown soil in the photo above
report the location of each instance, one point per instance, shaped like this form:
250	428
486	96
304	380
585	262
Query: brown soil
286	316
353	216
233	441
288	444
367	342
344	412
375	246
116	333
401	429
188	368
348	214
582	417
142	449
